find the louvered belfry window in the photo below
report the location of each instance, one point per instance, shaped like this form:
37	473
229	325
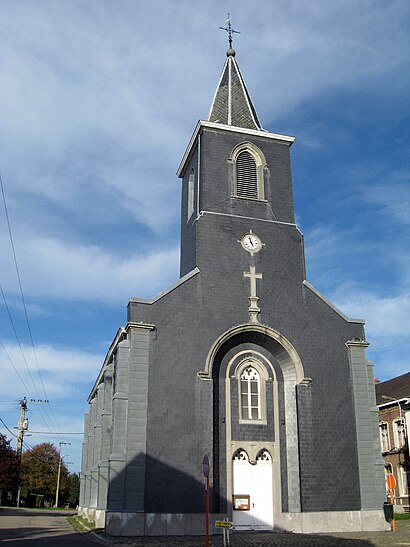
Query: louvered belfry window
246	176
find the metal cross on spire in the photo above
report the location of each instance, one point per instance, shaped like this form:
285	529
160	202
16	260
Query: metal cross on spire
229	30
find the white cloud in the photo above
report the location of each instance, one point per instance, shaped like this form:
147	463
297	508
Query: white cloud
386	315
55	268
67	375
392	197
386	324
64	371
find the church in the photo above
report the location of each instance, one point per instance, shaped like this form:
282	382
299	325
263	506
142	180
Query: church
241	359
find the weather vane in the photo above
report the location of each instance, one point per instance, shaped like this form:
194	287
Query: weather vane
229	30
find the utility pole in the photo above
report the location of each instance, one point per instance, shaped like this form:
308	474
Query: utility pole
23	426
59	473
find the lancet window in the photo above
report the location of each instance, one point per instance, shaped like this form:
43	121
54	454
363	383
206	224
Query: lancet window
250	394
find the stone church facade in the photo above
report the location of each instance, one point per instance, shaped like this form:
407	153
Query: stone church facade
241	359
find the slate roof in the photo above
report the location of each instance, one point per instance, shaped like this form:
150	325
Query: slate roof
232	104
396	388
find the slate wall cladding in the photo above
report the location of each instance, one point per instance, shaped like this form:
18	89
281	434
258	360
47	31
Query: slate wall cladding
216	191
106	439
180	428
372	486
84	500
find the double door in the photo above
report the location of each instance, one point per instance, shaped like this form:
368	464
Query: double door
252	492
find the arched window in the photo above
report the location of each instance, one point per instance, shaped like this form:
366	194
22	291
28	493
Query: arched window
191	193
399	432
384	436
403	475
250	394
248	163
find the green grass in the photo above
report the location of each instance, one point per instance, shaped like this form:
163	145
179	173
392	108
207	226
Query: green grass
80	524
401	516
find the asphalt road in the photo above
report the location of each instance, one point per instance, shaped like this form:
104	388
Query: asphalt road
39	528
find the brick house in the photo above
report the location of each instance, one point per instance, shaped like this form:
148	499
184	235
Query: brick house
393	401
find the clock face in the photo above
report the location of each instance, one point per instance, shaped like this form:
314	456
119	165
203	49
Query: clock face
251	242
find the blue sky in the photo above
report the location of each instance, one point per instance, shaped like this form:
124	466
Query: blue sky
98	101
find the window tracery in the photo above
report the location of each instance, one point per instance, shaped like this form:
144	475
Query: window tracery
250	394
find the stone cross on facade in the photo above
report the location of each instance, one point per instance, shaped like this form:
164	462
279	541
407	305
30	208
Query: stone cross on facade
253	299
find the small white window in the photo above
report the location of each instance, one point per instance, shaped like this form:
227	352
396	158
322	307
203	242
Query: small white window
384	437
403	475
399	433
191	193
250	394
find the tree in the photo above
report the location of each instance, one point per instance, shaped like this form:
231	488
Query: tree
39	468
74	480
9	465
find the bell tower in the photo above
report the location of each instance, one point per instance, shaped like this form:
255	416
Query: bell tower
232	166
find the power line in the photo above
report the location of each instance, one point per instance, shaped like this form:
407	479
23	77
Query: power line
57	432
18	341
9	430
24	302
19	280
12	364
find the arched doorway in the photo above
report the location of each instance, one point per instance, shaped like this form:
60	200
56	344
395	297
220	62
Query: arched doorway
254	372
252	495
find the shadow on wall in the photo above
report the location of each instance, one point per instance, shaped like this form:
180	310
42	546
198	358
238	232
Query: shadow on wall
150	497
171	502
148	484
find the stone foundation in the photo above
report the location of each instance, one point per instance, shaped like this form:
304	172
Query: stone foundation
184	524
334	521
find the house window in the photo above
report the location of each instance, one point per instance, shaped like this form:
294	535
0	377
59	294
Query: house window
384	436
403	475
250	394
248	165
191	193
399	433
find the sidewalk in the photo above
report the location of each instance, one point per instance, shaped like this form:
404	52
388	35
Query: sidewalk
263	539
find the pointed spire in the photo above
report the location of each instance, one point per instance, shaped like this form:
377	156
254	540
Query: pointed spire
232	104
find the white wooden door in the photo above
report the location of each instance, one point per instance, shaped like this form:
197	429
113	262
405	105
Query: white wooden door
254	481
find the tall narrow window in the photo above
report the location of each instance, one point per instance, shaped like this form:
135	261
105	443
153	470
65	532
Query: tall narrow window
246	176
250	394
399	433
384	436
403	474
191	193
248	164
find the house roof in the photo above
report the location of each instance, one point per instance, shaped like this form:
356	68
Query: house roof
232	104
396	388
